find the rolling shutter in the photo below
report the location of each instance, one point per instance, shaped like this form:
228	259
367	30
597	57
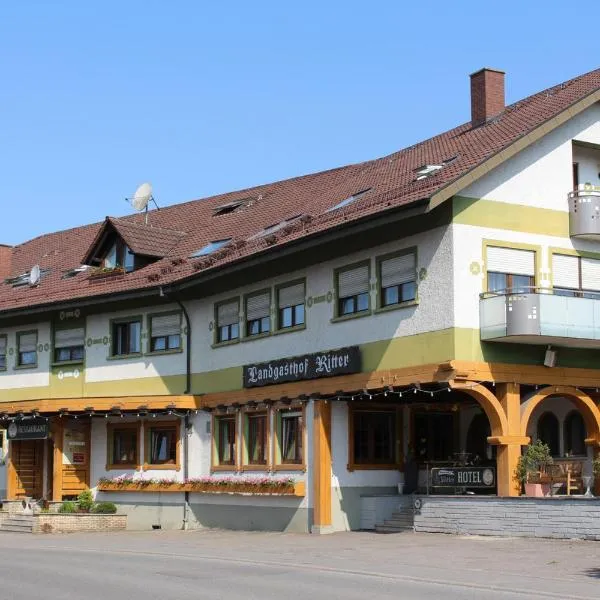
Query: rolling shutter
353	282
28	342
228	313
510	260
65	338
291	295
565	271
398	270
590	274
165	325
258	306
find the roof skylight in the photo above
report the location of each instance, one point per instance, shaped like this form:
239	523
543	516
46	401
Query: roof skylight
210	248
349	200
73	272
429	170
275	227
25	278
230	207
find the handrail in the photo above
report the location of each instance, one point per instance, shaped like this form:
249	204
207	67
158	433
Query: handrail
525	290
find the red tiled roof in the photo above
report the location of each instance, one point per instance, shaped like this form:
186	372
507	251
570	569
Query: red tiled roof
175	232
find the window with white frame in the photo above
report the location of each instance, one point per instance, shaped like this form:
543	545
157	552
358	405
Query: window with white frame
27	349
228	321
353	290
510	270
165	332
398	279
290	305
258	313
69	344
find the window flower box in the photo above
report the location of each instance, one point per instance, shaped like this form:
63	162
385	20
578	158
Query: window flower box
102	273
265	486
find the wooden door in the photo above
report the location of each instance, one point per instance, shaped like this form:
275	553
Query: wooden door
76	458
28	458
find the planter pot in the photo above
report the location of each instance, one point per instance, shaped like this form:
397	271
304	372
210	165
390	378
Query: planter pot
537	490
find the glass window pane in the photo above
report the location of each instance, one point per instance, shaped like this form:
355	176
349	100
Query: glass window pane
162	446
497	282
129	260
63	354
299	314
253	327
285	317
265	324
224	333
347	305
77	353
521	283
291	442
390	296
363	302
174	342
409	291
27	358
158	344
134	336
234	331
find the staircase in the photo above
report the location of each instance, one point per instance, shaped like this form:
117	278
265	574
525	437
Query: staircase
18	524
402	519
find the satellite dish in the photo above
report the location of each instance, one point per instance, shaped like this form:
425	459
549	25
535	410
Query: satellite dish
34	275
142	196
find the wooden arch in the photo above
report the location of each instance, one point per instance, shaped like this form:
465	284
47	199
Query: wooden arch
588	408
490	404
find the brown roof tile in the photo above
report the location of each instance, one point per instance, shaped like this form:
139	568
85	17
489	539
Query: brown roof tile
177	231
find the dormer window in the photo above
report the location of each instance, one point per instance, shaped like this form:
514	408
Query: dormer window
119	256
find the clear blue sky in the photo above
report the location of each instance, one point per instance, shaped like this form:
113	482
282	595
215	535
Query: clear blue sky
207	97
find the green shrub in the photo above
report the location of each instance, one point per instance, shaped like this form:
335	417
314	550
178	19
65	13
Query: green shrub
67	507
85	501
536	457
104	508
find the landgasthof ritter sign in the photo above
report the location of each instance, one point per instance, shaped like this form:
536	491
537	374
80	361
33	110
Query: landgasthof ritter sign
309	366
470	477
35	428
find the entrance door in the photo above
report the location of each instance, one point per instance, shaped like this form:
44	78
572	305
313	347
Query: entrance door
28	458
76	458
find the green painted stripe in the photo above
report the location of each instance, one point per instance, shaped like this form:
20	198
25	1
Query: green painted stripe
514	217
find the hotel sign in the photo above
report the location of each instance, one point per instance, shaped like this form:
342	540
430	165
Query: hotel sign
309	366
468	477
35	428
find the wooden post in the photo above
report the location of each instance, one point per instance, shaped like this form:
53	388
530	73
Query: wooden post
322	467
57	467
509	395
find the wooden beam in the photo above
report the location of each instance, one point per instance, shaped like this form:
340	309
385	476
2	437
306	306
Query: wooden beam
11	473
57	465
322	467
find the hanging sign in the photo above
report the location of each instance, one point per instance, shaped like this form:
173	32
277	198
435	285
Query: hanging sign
309	366
468	477
35	428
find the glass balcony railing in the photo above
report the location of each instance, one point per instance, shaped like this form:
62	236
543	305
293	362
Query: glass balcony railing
584	212
541	316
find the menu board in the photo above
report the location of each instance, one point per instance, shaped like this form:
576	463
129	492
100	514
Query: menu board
75	446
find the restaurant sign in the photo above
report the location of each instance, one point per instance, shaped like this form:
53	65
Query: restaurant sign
469	477
35	428
309	366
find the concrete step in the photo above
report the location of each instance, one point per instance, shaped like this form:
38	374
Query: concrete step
21	518
16	528
390	529
402	523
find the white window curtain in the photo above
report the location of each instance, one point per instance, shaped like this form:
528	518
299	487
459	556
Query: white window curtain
28	342
291	295
165	325
398	270
65	338
258	306
565	271
510	260
228	313
590	274
353	282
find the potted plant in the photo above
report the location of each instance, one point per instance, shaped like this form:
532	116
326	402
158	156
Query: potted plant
532	466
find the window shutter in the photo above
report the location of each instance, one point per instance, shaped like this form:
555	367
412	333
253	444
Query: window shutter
2	345
291	295
590	274
353	282
28	342
565	271
509	260
163	325
64	338
258	306
229	313
398	270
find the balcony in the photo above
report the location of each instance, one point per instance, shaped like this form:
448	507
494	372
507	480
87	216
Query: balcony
540	316
584	212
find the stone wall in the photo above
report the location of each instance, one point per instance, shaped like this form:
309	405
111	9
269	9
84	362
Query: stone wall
68	523
565	517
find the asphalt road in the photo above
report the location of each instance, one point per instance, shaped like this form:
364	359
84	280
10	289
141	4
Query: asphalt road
231	565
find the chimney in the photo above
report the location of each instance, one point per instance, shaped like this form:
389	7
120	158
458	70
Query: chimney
5	261
487	95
